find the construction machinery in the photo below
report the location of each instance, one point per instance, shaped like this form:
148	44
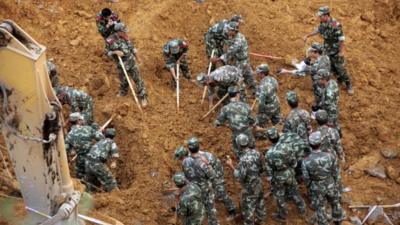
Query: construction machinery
31	122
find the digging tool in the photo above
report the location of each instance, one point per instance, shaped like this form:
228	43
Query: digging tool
369	206
177	87
369	214
215	106
130	84
107	123
208	74
265	56
253	105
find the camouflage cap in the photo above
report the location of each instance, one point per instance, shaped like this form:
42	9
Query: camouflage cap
237	18
174	46
232	90
193	143
291	96
263	68
242	140
180	152
322	74
201	78
73	117
110	132
315	138
321	116
179	179
323	10
272	133
233	26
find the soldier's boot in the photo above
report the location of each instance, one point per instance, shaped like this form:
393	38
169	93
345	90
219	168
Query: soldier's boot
144	102
232	215
349	88
121	93
278	217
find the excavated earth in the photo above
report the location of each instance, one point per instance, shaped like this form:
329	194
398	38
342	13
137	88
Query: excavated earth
369	118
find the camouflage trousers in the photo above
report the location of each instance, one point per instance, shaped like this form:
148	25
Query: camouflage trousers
194	219
183	66
236	148
253	204
80	165
88	112
222	195
248	76
322	191
98	172
283	191
209	203
338	66
318	93
132	72
264	116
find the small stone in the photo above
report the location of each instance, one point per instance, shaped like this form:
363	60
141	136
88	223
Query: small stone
74	42
377	171
389	153
392	172
356	174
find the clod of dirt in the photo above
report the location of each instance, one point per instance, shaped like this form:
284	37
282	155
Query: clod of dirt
377	171
123	109
392	172
389	153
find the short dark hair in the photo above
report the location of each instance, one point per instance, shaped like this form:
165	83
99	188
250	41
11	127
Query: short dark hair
293	104
106	12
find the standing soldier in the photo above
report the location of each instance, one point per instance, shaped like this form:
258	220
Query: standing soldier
198	170
298	121
96	168
216	36
119	45
239	118
52	70
105	21
78	100
219	183
269	107
220	80
176	52
331	32
248	172
237	54
321	176
190	206
79	141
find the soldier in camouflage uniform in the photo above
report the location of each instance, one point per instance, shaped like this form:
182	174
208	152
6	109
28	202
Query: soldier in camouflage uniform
216	36
269	107
331	31
298	121
189	206
237	55
79	141
248	172
176	52
322	176
52	71
330	138
96	169
219	184
220	80
239	118
198	170
78	100
105	21
280	162
119	45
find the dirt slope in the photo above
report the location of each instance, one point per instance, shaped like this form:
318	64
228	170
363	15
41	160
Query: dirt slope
370	118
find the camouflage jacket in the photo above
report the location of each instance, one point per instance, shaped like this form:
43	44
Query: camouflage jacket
77	99
298	121
267	95
320	166
215	164
198	170
277	166
330	100
294	144
216	35
190	202
103	149
323	62
170	58
225	76
120	42
237	52
331	32
249	169
330	140
238	115
80	138
101	23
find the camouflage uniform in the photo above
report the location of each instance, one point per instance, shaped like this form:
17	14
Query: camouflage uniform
215	39
224	77
269	107
101	23
219	182
95	167
121	42
190	206
322	62
322	178
79	101
51	67
80	139
249	172
280	163
240	121
298	121
331	32
330	103
237	55
198	170
330	140
171	59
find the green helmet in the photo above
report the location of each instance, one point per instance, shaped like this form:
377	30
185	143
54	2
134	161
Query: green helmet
321	116
322	74
323	10
263	68
174	46
237	18
233	26
242	140
109	132
193	144
291	97
180	152
272	133
233	90
315	138
73	117
179	179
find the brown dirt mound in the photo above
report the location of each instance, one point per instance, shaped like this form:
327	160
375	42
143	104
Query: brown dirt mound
370	118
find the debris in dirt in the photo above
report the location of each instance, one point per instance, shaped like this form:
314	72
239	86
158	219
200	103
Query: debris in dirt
368	17
377	171
356	174
355	220
75	42
123	109
392	172
389	153
84	14
129	124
